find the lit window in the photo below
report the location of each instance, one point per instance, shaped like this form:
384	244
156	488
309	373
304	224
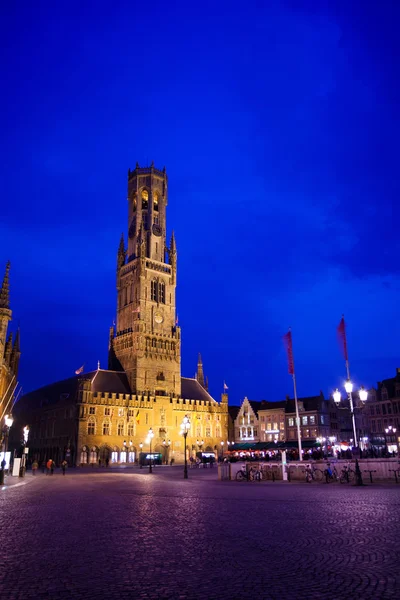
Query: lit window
156	202
91	428
120	412
208	431
269	426
161	292
322	419
312	420
154	290
93	456
145	199
122	457
114	457
275	427
281	425
84	457
304	420
291	421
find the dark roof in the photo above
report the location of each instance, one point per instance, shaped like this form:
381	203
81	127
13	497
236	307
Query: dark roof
309	403
115	382
192	390
269	405
390	384
233	411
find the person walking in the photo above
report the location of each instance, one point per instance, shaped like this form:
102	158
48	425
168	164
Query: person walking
48	466
34	467
64	465
107	461
52	467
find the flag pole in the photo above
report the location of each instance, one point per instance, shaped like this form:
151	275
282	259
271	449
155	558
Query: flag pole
289	348
297	418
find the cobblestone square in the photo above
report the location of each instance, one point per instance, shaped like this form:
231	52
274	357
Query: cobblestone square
129	534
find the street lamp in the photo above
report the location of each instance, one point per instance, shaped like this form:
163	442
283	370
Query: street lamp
150	436
8	421
127	450
140	455
222	450
185	426
337	396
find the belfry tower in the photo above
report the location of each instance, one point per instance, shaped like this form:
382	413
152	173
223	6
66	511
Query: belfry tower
146	343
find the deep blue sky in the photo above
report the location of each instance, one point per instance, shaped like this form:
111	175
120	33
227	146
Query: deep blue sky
279	126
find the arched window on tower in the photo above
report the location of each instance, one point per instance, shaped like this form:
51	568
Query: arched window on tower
155	202
161	292
145	199
134	203
154	290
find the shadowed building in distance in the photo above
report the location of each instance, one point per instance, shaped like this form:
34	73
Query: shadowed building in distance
106	414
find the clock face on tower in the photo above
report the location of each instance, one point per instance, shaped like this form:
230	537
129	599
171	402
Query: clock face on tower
158	317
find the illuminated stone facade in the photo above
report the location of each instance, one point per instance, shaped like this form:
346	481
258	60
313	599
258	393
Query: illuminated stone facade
88	418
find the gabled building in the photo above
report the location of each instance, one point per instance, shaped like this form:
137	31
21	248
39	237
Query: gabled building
383	410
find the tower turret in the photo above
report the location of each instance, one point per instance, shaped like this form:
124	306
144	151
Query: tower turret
5	312
16	353
200	374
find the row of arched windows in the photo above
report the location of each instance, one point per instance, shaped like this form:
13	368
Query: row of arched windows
159	344
157	291
145	200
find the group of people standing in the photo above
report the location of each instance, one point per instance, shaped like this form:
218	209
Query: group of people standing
48	466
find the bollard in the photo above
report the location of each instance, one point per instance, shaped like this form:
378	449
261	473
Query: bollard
370	473
359	480
1	476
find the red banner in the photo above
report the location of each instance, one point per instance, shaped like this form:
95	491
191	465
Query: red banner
287	340
341	332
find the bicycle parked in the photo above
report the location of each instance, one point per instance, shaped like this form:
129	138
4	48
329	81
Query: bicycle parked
253	474
313	474
347	475
331	475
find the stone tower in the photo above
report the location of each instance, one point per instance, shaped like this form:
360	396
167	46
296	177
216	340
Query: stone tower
5	312
146	343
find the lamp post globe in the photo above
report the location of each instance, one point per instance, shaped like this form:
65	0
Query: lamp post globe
363	394
185	426
348	386
337	396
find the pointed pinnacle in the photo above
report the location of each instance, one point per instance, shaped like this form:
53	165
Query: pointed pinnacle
17	342
173	242
199	361
121	247
5	289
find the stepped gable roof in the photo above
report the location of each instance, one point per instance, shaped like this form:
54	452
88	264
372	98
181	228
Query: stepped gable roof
192	390
309	403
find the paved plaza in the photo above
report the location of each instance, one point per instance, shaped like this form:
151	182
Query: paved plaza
127	534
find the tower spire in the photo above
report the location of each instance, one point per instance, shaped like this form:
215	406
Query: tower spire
5	289
200	374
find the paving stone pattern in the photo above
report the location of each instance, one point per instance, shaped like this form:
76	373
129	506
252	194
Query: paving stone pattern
128	534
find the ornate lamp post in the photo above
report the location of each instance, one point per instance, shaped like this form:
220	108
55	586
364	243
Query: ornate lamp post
185	426
222	450
140	458
150	436
337	396
128	449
